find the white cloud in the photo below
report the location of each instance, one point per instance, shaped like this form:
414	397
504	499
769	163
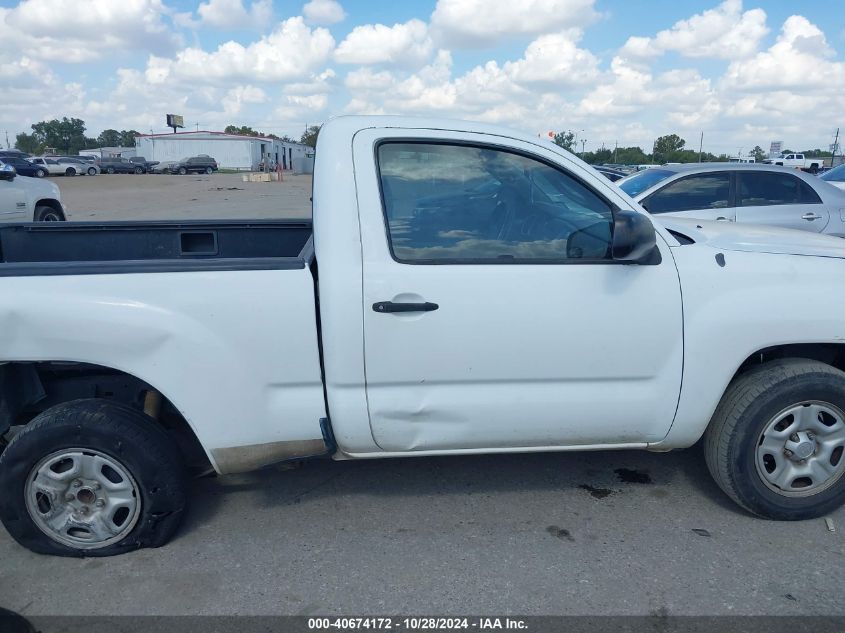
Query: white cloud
230	14
799	60
725	32
69	32
239	96
555	59
291	51
471	23
407	44
324	12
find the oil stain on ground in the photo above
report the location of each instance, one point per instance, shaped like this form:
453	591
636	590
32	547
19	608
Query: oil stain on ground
561	533
598	493
630	476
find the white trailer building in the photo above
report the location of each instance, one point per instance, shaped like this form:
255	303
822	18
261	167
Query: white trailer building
231	151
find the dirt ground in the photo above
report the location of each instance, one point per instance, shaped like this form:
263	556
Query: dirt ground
166	197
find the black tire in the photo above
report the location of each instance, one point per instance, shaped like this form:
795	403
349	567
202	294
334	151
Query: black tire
748	406
183	171
814	169
139	170
40	173
122	433
208	170
70	171
47	214
92	171
109	170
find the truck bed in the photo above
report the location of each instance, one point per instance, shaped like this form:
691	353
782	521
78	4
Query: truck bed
75	248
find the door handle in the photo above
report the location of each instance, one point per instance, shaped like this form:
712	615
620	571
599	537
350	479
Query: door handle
811	216
390	306
721	218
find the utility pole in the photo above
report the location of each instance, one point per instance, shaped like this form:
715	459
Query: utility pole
832	158
700	145
583	143
615	148
10	147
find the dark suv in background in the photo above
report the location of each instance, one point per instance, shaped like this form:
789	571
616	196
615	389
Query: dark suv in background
120	166
143	162
201	164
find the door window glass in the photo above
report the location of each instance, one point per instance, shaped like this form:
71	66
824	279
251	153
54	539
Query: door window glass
465	204
702	191
767	188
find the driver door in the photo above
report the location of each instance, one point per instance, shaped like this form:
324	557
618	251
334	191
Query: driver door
524	332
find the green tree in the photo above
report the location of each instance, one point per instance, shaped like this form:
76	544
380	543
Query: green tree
127	138
109	138
631	156
67	135
244	130
665	146
566	140
28	143
757	154
309	137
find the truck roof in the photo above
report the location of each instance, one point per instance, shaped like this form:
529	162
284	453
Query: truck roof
352	123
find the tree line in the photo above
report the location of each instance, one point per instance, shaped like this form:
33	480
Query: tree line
670	148
309	137
67	136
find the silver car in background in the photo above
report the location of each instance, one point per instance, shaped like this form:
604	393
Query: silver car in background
747	193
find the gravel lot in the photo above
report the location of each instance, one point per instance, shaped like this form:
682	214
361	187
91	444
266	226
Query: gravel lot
592	533
166	197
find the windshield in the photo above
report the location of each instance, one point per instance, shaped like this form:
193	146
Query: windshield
837	174
635	184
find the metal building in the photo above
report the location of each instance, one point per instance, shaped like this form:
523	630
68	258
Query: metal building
231	151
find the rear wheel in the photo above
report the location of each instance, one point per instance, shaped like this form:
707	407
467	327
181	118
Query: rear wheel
48	214
92	171
70	171
40	173
91	478
109	170
139	170
208	170
775	444
183	171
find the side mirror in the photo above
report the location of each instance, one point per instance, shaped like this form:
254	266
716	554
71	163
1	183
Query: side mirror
7	172
634	239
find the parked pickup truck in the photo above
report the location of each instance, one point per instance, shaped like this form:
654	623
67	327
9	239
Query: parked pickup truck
465	289
813	165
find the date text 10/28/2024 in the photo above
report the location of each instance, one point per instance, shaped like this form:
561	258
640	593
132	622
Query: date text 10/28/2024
417	624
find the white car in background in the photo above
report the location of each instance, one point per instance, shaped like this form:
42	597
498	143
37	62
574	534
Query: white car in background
55	168
835	176
25	199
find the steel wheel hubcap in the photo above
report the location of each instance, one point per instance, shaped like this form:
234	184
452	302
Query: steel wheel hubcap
800	451
82	498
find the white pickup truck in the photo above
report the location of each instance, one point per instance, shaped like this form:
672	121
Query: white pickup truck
465	289
813	165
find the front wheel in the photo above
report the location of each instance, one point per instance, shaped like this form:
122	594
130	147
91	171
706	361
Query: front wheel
48	214
183	171
91	478
139	170
208	170
110	170
70	171
92	171
776	441
40	173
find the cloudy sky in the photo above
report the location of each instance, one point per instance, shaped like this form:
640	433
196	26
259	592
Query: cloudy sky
744	73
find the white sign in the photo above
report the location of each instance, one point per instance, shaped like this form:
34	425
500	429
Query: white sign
776	148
